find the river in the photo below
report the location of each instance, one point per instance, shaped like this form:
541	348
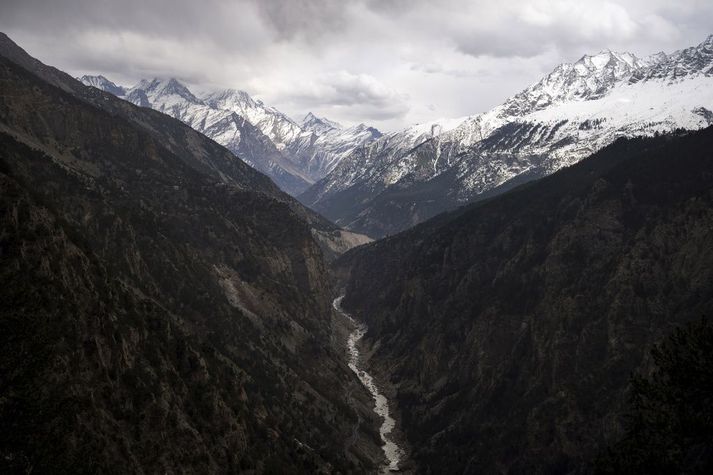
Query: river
393	452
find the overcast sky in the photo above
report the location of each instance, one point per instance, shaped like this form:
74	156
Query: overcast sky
388	63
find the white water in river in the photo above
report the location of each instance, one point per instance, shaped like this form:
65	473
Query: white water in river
381	405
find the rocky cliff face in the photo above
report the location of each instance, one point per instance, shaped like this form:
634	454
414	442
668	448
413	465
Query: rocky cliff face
510	327
409	176
164	308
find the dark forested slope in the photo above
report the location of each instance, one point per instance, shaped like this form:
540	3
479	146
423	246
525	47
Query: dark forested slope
163	307
510	327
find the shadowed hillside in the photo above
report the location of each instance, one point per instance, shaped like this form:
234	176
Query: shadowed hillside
510	327
163	307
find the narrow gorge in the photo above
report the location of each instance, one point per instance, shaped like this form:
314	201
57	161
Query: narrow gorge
392	451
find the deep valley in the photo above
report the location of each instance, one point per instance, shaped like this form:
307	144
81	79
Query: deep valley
192	281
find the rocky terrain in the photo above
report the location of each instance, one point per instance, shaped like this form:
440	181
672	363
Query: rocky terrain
164	306
510	327
406	177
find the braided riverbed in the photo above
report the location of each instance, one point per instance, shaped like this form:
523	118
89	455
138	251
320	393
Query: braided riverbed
381	404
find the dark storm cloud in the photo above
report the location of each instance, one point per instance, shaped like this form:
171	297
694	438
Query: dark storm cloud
306	18
216	20
391	61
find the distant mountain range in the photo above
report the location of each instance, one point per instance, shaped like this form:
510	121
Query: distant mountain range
406	177
382	184
293	155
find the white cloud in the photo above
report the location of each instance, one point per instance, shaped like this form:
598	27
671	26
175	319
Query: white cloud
386	62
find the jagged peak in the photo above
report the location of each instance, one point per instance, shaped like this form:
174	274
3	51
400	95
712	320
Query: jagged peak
231	93
101	82
97	77
310	117
153	84
376	133
236	98
159	87
147	84
361	126
656	58
607	59
311	121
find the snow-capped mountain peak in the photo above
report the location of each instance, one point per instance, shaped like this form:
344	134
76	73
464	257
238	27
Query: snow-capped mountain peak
699	58
293	155
241	102
163	89
277	126
589	78
656	58
693	61
319	125
100	82
573	111
366	128
310	117
231	96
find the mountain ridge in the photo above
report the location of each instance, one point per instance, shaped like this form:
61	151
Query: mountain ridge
292	154
409	176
